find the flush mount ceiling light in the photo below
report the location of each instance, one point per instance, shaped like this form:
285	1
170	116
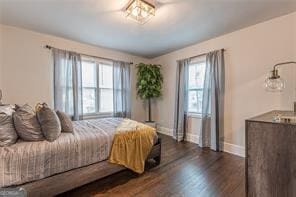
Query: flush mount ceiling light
140	10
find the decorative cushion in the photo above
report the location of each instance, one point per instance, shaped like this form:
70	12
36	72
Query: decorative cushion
26	123
66	122
49	121
7	109
8	134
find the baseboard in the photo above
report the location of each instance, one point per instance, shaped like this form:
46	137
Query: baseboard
234	149
164	130
192	138
227	147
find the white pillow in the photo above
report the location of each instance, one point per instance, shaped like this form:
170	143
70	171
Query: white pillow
7	109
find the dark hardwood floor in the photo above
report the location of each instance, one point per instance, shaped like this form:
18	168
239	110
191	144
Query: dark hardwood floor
185	170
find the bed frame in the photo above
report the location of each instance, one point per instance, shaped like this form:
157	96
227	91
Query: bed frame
66	181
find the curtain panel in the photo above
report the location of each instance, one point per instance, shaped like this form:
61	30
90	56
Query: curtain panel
181	100
68	83
212	128
121	89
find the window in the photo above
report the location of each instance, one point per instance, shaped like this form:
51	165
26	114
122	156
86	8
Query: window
97	83
196	76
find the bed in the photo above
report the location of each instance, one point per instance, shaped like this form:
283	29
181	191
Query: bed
72	160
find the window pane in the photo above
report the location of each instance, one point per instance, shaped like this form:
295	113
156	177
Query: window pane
89	74
195	101
200	74
199	101
106	76
196	75
192	101
192	76
68	100
195	86
106	102
89	100
97	80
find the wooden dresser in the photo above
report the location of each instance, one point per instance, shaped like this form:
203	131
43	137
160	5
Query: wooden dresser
270	156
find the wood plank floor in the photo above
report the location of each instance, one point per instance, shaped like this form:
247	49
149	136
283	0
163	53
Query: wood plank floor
185	170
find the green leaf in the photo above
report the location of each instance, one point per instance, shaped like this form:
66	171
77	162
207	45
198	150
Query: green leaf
149	80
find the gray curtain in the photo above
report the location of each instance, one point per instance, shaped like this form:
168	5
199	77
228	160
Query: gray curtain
212	132
121	89
181	101
68	83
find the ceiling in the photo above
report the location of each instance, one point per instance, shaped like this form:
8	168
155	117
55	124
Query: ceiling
178	23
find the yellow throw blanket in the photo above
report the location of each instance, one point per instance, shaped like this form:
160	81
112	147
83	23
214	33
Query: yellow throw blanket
132	144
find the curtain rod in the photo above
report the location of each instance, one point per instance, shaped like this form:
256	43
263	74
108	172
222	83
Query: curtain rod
200	55
50	47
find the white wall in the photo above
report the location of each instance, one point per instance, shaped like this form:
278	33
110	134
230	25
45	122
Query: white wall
294	37
1	68
26	71
289	72
1	60
250	54
294	66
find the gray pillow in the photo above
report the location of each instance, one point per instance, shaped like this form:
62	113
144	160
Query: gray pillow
49	121
26	123
66	122
8	134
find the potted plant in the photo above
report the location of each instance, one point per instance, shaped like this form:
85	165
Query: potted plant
149	83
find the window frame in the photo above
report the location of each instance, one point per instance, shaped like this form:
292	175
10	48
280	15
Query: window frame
97	113
195	61
99	88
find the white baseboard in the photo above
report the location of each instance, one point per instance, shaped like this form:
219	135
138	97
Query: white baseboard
234	149
192	138
164	130
227	147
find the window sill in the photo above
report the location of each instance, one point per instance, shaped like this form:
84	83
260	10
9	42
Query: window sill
194	115
96	116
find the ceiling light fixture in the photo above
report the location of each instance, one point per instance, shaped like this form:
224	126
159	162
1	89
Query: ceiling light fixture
140	10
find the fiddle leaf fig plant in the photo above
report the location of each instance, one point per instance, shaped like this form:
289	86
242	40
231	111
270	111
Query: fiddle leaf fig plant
149	83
